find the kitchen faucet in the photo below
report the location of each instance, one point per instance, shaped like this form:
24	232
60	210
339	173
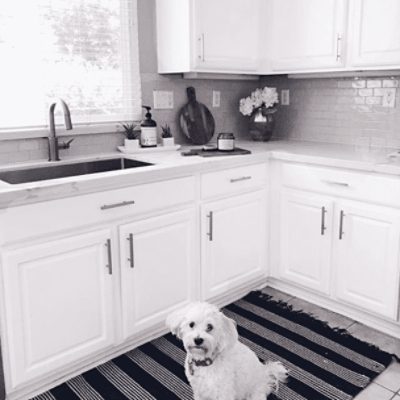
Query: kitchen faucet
54	146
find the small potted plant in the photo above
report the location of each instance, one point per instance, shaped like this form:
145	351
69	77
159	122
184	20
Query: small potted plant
166	136
132	133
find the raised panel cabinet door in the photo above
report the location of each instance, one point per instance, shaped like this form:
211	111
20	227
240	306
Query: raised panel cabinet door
58	299
307	34
305	240
233	242
158	266
366	252
226	34
375	33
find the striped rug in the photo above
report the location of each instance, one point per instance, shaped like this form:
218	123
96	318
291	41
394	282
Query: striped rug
324	363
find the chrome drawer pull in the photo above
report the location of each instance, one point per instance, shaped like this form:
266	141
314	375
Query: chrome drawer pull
109	256
344	184
210	226
242	178
115	205
131	258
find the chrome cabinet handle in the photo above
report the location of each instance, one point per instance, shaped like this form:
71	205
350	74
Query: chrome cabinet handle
341	224
345	184
242	178
115	205
338	47
109	256
323	227
201	42
210	226
131	257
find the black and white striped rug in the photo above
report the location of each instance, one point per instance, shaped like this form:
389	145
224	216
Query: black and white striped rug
324	363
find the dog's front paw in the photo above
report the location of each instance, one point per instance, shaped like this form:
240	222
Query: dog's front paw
277	374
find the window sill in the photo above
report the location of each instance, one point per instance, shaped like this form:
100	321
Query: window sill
17	134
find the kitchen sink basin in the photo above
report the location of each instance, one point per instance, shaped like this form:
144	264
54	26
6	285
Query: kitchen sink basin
64	170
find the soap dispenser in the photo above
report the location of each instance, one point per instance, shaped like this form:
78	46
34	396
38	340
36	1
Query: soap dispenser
148	135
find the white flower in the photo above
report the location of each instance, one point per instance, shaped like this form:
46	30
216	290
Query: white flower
266	97
246	106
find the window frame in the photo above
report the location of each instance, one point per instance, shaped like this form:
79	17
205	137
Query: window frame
82	128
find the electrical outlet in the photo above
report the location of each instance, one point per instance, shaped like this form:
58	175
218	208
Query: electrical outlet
216	99
389	97
163	99
285	97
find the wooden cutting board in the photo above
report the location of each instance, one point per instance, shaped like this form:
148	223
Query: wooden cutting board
196	120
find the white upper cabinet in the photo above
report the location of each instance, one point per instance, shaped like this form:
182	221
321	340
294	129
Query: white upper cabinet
307	34
375	33
226	34
206	35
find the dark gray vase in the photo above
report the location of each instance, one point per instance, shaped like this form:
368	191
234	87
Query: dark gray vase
262	123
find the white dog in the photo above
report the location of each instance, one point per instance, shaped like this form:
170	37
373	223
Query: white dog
217	365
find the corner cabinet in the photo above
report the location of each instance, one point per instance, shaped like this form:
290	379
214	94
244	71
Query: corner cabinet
338	235
158	268
59	303
208	36
307	34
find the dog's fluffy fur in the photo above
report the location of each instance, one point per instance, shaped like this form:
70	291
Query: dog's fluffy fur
217	365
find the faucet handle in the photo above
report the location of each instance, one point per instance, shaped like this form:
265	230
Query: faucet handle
65	145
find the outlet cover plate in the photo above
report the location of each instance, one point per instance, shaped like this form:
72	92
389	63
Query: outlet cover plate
216	98
163	99
285	97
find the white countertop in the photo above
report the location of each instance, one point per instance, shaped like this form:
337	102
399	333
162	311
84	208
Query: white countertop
172	164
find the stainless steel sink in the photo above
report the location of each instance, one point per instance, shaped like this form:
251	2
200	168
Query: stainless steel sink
64	170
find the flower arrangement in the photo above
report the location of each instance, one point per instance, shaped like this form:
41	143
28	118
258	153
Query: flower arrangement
260	98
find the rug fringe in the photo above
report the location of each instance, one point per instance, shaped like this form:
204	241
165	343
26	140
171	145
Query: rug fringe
335	333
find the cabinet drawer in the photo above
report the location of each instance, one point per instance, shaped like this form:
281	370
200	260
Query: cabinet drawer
369	187
233	180
45	217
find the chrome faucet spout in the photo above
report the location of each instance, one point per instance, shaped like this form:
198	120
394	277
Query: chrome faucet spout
52	138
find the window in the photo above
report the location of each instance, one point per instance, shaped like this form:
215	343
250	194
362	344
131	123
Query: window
83	51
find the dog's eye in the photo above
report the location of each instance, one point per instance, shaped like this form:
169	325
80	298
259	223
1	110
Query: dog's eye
191	325
209	328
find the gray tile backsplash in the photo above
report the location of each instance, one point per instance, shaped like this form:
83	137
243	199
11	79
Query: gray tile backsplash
348	111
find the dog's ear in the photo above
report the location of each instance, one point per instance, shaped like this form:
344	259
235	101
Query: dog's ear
175	320
229	335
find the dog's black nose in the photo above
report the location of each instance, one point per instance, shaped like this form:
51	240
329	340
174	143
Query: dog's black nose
198	341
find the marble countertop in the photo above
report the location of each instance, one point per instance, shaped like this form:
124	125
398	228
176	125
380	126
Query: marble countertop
170	164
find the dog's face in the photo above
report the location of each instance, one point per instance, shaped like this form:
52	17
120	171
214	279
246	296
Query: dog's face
204	330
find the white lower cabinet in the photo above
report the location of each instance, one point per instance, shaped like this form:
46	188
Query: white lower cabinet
305	240
158	271
58	301
233	242
366	261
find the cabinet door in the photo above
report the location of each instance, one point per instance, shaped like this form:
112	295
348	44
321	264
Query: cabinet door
58	301
226	34
367	257
157	269
305	240
233	242
375	32
307	34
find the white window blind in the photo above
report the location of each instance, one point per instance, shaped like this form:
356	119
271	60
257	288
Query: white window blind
83	51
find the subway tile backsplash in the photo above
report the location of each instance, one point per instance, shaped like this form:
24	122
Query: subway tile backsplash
334	110
347	111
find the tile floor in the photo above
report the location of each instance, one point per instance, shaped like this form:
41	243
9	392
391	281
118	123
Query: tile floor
387	385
